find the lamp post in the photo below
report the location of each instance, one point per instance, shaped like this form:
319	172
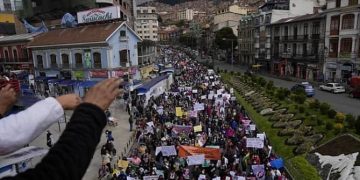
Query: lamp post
232	51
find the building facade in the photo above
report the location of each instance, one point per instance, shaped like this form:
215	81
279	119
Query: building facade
298	46
10	5
246	40
342	40
227	19
14	52
146	24
270	12
75	53
185	14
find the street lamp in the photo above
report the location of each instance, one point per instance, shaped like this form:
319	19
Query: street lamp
232	51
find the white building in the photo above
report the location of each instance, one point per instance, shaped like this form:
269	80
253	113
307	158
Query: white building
186	14
10	5
342	40
271	12
227	19
146	23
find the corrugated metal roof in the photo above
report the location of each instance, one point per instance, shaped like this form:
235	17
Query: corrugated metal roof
17	37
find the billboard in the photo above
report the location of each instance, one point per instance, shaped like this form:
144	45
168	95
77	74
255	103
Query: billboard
99	14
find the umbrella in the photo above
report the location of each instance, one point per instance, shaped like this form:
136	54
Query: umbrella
277	163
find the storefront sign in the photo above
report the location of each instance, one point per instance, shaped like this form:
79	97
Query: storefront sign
99	74
331	66
79	74
100	14
117	73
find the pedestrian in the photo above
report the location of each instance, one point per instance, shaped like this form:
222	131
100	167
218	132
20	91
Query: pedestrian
49	139
131	121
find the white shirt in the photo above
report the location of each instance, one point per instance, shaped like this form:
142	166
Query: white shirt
20	129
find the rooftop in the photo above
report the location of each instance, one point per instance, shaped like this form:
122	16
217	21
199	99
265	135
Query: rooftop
89	34
300	18
18	37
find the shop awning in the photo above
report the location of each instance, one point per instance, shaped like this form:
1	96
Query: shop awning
68	82
170	70
256	65
146	86
26	101
87	84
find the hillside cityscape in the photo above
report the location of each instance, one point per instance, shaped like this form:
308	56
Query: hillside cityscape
180	89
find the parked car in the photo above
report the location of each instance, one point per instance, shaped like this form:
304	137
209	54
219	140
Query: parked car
333	87
306	87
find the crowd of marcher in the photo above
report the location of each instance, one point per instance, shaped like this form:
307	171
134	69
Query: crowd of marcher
196	130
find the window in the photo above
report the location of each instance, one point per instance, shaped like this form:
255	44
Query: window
25	53
338	3
124	57
348	21
334	25
333	51
305	29
353	2
15	54
40	63
53	63
97	60
154	26
7	5
122	33
78	60
316	28
65	61
346	45
6	55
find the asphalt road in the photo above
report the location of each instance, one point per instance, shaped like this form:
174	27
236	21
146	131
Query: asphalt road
340	102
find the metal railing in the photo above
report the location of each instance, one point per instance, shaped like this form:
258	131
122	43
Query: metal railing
15	61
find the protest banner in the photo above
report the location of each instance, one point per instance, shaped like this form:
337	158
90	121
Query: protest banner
182	129
261	136
245	122
210	96
196	159
178	112
155	177
188	88
199	106
210	153
193	114
166	150
195	91
254	143
198	128
123	164
252	127
259	171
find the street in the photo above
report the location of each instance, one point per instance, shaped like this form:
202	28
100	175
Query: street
339	102
120	133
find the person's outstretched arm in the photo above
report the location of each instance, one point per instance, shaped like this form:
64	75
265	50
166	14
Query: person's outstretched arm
20	129
71	155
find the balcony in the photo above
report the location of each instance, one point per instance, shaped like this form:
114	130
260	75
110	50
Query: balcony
277	38
315	36
15	61
333	54
334	32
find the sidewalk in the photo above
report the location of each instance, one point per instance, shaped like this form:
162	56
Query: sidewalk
121	135
243	69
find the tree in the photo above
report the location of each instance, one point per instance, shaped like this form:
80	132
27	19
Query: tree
227	34
188	40
180	23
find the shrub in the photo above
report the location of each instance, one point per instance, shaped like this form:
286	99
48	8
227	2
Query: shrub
270	85
338	127
296	106
280	94
225	71
262	82
331	113
301	109
307	113
340	117
324	108
357	125
314	104
239	73
218	70
300	98
329	125
350	119
320	122
231	72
